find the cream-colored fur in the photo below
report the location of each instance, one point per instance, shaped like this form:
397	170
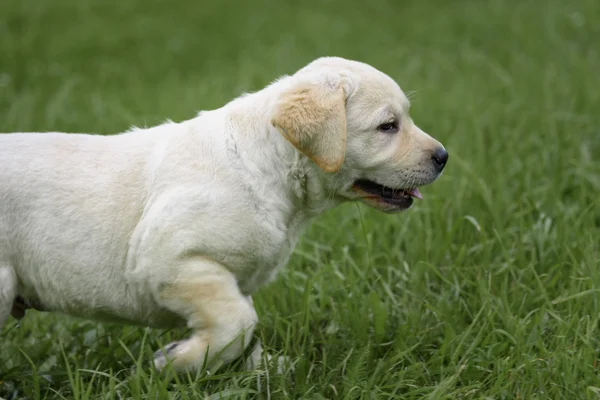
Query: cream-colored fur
180	223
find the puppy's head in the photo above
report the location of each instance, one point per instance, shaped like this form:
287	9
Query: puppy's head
353	122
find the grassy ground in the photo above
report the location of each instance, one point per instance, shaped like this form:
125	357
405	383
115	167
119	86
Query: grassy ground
490	288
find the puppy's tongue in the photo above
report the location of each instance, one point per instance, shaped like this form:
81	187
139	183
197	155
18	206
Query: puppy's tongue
415	193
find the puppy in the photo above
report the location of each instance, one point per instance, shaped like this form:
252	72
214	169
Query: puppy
181	223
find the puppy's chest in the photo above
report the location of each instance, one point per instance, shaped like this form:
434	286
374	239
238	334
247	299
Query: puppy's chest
271	253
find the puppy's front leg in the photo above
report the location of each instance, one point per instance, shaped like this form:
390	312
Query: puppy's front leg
207	295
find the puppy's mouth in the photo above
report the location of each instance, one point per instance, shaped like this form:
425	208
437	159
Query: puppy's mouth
384	197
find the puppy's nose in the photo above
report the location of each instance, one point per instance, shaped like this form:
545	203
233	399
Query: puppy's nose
440	158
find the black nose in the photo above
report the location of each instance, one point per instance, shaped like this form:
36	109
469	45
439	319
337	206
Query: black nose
440	158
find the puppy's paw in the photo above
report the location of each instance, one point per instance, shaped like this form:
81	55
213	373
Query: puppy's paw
284	364
163	356
255	359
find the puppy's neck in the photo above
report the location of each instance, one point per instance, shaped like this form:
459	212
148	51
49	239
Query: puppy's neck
270	158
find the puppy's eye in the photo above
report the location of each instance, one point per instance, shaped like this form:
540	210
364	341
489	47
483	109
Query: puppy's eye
388	127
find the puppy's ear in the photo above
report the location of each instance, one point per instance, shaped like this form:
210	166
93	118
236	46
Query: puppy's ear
312	117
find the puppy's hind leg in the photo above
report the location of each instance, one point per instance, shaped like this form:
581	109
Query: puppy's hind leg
8	292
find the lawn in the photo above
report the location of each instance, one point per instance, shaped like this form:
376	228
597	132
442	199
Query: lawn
487	289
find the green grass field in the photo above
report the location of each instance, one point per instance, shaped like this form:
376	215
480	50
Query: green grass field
488	289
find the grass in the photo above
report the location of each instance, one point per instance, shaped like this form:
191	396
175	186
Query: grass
488	289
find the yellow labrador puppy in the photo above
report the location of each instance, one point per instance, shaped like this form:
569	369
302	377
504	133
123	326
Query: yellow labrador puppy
179	224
